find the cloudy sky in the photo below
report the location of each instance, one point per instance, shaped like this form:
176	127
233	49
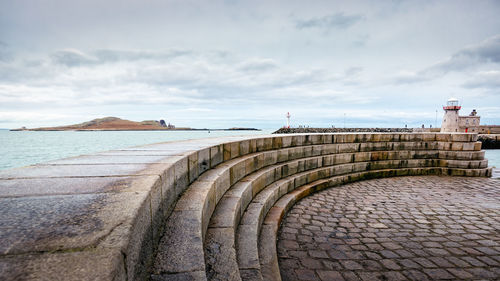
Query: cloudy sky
246	63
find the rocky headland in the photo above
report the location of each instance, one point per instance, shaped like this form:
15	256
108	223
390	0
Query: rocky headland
117	124
107	124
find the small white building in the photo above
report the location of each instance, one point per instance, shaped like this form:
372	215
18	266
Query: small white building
452	122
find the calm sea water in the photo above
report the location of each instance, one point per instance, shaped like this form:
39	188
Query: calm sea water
25	148
22	148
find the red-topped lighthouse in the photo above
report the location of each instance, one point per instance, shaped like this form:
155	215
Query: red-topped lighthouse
450	118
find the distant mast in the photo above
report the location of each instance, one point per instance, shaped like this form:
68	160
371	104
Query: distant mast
288	119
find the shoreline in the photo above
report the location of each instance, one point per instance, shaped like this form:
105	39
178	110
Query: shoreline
129	130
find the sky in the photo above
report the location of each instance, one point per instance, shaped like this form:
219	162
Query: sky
220	64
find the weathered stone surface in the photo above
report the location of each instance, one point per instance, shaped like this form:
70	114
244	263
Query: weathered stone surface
227	213
183	276
250	275
62	222
48	171
267	252
101	264
125	158
181	239
246	244
60	186
221	254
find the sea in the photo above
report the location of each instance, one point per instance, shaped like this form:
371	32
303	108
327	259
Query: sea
23	148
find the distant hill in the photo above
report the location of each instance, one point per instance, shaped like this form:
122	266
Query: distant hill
108	124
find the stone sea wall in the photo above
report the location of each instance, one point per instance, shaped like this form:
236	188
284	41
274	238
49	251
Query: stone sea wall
343	130
490	141
206	209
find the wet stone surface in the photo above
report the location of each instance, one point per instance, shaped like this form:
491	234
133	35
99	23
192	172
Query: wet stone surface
409	228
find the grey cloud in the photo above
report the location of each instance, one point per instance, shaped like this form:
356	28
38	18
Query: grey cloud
361	41
338	20
257	65
5	54
353	71
74	58
487	51
109	55
410	78
70	58
484	80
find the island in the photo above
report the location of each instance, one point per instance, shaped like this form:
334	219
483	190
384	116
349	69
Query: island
118	124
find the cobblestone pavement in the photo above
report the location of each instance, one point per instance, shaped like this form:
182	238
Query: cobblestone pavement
416	228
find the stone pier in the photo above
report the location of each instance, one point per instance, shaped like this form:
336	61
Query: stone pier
210	209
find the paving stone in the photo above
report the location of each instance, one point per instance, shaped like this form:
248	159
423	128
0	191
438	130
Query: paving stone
460	273
415	275
441	262
318	254
311	263
483	273
328	275
438	273
369	276
407	263
350	276
306	274
351	265
390	264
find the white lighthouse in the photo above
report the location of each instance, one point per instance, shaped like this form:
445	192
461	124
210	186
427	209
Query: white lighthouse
288	119
450	118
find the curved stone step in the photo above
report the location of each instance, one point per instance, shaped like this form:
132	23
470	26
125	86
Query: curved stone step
219	247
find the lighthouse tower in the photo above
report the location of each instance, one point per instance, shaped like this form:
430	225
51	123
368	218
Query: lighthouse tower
450	118
288	119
